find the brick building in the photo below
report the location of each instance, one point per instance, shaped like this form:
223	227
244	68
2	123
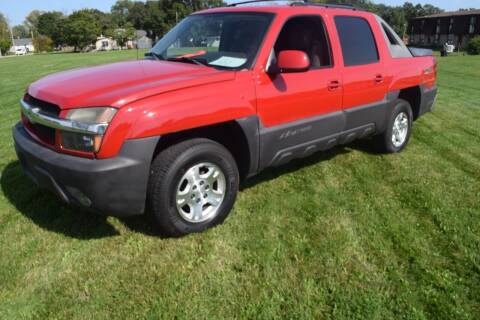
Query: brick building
455	27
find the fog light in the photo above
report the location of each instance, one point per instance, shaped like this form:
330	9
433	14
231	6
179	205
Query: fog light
79	196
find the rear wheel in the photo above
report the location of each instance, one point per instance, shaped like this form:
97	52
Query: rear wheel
192	186
399	127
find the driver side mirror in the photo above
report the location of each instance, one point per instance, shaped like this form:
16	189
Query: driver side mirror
290	61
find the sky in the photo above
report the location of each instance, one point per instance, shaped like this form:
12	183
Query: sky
16	10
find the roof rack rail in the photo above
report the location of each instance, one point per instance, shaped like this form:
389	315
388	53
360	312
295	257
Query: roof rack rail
254	1
301	3
326	5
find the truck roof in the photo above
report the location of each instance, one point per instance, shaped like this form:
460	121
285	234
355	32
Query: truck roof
287	7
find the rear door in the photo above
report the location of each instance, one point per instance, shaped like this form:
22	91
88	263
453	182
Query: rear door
364	74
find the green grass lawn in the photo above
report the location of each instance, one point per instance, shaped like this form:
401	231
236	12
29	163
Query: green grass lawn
343	234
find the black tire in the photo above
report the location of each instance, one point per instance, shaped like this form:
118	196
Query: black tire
168	168
384	141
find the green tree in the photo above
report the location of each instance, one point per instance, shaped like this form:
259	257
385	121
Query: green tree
5	39
473	46
5	45
4	28
428	9
43	43
409	10
81	29
138	13
394	16
31	21
175	10
122	34
157	17
120	12
21	31
51	24
103	20
196	5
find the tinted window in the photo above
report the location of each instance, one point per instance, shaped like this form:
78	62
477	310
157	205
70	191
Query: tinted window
307	34
390	36
356	38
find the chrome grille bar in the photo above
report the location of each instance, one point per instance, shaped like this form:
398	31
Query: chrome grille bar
33	114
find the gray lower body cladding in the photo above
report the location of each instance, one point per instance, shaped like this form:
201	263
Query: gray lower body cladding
282	143
428	99
299	139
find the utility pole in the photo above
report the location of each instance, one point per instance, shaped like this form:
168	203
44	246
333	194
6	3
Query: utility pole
11	36
11	33
31	32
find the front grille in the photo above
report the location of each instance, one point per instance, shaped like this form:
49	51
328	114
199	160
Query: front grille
44	133
46	108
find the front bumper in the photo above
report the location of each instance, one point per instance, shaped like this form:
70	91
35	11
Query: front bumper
115	186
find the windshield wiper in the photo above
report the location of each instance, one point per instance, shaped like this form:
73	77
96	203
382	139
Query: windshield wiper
154	55
187	59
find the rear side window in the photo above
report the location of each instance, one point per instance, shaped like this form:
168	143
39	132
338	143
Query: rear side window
357	41
395	45
391	38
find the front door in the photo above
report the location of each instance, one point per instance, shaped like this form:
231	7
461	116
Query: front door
299	111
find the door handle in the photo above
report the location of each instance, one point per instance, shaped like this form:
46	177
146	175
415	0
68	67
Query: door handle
378	78
333	85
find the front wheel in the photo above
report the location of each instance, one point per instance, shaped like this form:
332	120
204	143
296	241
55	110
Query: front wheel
192	186
399	127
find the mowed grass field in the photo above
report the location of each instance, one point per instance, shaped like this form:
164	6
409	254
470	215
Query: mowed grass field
346	234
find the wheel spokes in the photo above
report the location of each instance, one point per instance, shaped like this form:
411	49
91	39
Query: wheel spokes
200	192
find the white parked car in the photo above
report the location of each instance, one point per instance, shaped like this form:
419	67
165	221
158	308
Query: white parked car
20	51
450	48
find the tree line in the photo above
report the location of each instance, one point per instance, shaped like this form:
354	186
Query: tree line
81	28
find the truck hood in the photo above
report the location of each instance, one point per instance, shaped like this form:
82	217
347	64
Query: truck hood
120	83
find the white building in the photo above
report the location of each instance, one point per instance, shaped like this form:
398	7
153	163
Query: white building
142	41
105	44
22	44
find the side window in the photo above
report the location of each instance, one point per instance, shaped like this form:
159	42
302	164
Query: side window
307	34
357	40
391	38
395	45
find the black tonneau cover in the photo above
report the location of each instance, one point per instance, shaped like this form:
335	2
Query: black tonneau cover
420	52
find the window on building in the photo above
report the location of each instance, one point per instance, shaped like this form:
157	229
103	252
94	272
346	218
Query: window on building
437	30
450	26
357	41
473	22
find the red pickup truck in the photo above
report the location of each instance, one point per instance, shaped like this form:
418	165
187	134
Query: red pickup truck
226	93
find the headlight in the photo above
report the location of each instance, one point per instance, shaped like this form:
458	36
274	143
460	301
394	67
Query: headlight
92	115
88	116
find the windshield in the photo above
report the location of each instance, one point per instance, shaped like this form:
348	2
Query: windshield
222	40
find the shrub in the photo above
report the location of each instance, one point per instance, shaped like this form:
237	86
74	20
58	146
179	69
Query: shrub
5	46
473	46
43	44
